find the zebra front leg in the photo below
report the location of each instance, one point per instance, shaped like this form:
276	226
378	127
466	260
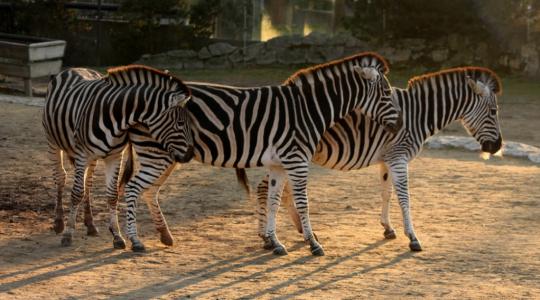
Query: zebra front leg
298	176
386	194
151	197
77	194
144	179
91	229
276	179
399	171
59	173
112	169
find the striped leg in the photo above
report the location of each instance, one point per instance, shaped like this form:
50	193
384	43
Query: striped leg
298	176
137	185
77	194
112	169
399	171
276	178
151	197
87	201
59	173
262	197
386	194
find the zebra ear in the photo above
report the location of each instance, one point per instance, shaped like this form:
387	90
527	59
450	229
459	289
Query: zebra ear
478	87
180	100
367	72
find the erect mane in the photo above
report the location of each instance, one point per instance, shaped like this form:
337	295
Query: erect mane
136	74
484	75
366	59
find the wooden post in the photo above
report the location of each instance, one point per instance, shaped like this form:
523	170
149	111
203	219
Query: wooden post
28	87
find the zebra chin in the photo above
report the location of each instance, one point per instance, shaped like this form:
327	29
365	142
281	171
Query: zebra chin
492	146
180	157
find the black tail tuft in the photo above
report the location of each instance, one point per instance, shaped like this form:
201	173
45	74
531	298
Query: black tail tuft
242	178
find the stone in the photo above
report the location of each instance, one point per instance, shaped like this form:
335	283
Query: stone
266	58
253	51
295	56
193	65
528	50
204	53
414	45
218	62
455	42
439	55
331	52
284	41
237	57
219	49
532	66
400	55
314	56
315	39
182	53
481	51
514	64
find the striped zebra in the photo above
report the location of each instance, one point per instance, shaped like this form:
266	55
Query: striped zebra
429	103
87	117
277	127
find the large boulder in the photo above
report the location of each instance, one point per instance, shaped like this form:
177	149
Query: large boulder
332	52
284	41
315	39
267	57
295	56
219	49
204	53
253	51
182	54
193	64
218	62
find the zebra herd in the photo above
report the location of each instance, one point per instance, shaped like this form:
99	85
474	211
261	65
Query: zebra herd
342	115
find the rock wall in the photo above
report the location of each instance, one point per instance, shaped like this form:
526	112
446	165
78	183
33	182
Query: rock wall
449	51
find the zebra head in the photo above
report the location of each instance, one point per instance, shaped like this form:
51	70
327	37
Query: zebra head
172	128
382	108
481	116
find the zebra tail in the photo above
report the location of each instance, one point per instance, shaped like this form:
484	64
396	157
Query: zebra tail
242	178
128	168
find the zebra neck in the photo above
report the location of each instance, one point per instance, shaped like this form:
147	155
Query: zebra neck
430	109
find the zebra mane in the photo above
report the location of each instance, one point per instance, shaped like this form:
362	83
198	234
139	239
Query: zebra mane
485	75
365	59
137	74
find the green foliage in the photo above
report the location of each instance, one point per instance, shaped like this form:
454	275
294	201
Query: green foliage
203	16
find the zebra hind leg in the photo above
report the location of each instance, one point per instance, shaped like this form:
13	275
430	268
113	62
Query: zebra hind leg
91	229
386	194
77	194
59	173
112	168
262	196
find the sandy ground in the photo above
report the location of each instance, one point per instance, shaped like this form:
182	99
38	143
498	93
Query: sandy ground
477	221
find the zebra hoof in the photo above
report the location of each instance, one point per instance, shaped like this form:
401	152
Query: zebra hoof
415	246
317	251
389	234
166	239
91	230
66	241
280	250
138	247
58	226
268	244
119	243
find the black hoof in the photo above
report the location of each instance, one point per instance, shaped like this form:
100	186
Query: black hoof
166	239
138	247
415	246
389	234
91	230
119	243
66	241
58	226
280	250
268	244
317	251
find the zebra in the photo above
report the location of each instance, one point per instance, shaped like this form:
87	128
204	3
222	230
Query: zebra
277	127
429	103
87	117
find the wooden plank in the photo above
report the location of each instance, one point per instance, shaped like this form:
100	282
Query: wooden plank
14	51
32	70
15	70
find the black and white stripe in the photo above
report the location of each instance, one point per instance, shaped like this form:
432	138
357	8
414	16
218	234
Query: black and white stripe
429	103
87	117
277	127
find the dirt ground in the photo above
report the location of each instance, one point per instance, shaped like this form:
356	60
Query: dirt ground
477	221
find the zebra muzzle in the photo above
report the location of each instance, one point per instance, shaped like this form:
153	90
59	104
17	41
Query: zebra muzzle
185	157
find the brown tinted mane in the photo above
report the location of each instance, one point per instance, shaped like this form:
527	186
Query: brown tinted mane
137	68
485	75
359	56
